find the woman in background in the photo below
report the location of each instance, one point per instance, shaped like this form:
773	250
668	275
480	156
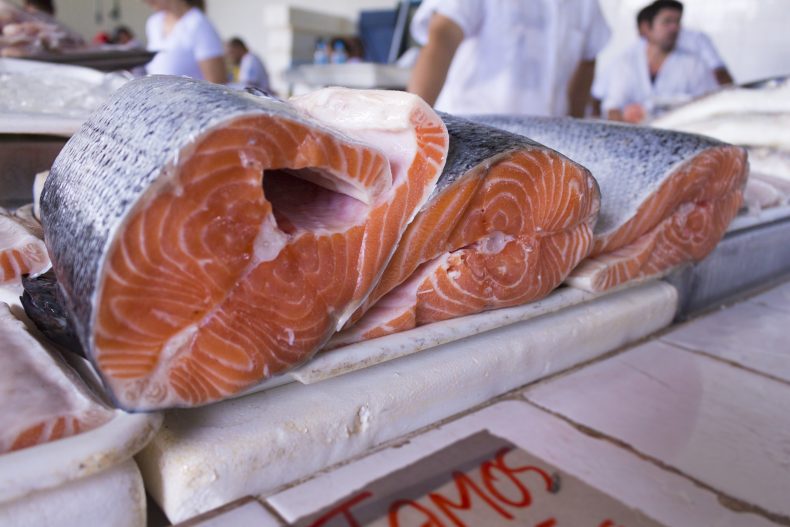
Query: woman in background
184	40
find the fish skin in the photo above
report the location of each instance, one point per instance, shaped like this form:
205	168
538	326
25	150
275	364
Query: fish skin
632	166
139	138
474	148
417	276
472	145
80	217
606	149
43	303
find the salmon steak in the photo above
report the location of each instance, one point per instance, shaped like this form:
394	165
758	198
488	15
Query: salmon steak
667	197
507	222
22	249
41	398
205	239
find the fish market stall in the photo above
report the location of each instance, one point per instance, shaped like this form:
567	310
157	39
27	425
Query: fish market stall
250	309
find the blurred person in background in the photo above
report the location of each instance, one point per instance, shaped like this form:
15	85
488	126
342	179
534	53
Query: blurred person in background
656	74
40	6
503	56
690	40
123	36
248	69
184	40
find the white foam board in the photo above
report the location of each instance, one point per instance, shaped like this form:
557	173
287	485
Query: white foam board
206	457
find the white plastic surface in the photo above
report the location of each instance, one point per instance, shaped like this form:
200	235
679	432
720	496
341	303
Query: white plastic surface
665	497
718	424
206	457
114	498
750	334
250	513
51	99
58	462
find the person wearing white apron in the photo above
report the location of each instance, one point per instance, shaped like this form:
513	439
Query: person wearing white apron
690	40
185	42
656	74
507	56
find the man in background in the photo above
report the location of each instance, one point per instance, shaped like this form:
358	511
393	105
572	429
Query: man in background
504	56
248	69
656	73
690	40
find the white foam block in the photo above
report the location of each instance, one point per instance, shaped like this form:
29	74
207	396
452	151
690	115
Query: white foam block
719	424
206	457
114	497
664	497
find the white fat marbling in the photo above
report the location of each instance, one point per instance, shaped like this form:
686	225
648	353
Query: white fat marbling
721	425
114	497
363	110
209	456
667	498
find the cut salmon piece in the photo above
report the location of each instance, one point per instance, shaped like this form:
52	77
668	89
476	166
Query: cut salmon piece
41	398
22	249
507	222
667	197
221	238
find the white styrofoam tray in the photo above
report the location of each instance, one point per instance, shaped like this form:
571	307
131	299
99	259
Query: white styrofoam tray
59	462
209	456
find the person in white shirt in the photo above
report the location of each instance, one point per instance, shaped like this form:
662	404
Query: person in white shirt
507	56
251	71
701	44
185	42
690	40
656	74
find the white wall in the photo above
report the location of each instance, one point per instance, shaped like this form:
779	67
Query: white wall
753	36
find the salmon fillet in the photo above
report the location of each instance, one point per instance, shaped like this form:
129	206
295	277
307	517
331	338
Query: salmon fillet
205	239
41	399
507	222
22	249
667	197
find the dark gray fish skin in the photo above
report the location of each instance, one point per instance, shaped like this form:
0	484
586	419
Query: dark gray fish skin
472	144
44	305
629	162
91	188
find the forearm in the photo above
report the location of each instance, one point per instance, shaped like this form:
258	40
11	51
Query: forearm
430	71
213	70
723	76
579	88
